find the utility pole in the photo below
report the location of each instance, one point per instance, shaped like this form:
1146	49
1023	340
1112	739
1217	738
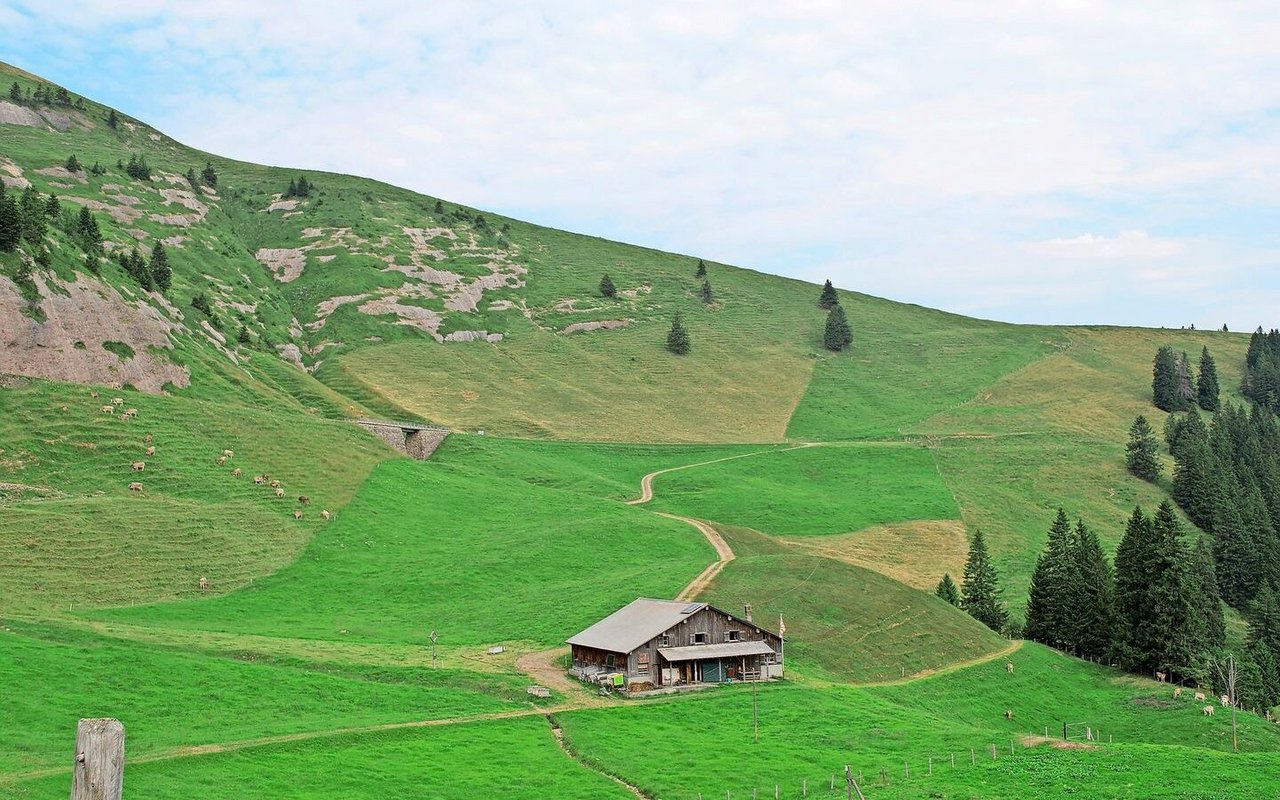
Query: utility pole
434	636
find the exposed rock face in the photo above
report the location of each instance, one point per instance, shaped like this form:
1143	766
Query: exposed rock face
606	325
87	312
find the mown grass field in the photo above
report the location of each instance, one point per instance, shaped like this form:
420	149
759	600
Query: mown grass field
812	491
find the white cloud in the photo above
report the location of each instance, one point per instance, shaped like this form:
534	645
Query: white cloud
1128	245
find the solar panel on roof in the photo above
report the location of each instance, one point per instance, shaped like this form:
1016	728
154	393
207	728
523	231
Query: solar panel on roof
692	607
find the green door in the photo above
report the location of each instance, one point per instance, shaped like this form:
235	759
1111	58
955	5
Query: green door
711	672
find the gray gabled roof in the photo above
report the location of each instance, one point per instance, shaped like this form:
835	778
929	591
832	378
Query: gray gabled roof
636	623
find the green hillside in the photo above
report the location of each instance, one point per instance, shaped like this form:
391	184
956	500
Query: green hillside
587	466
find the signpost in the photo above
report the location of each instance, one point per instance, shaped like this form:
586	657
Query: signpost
434	636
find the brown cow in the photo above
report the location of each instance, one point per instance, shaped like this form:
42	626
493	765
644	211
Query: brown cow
297	513
235	473
258	480
304	500
222	460
275	484
151	451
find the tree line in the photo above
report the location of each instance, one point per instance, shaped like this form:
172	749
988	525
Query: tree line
1261	382
1175	387
44	94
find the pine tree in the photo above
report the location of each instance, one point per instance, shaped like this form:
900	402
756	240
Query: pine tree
1186	384
1213	626
678	338
88	232
1263	643
243	336
34	222
439	209
161	272
702	269
1164	381
980	593
837	335
192	181
707	297
1095	620
1051	601
1140	453
209	175
828	299
73	163
292	191
15	93
1175	617
136	266
1207	385
607	289
947	590
112	120
52	208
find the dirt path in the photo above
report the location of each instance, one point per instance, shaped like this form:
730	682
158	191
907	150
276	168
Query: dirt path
724	554
646	483
558	732
544	670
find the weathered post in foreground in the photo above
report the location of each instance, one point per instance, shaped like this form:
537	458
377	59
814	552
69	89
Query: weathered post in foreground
98	773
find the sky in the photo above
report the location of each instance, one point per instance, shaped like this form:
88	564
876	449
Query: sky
1051	162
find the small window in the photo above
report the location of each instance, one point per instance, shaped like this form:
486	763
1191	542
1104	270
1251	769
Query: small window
666	640
732	636
700	637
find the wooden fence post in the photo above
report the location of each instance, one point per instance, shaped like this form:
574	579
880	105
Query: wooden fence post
98	773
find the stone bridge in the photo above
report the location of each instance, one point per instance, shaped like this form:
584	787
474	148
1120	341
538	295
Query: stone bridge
411	438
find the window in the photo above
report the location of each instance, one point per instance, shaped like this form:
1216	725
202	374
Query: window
666	640
642	663
700	637
732	636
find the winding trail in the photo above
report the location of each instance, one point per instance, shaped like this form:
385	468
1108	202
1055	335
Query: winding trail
558	733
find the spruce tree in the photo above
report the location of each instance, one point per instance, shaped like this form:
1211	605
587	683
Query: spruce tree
292	191
209	175
1052	598
112	120
439	209
607	289
52	208
707	297
837	336
1263	643
88	233
15	93
243	336
73	163
1176	621
1095	620
678	338
161	272
192	181
1213	626
980	592
828	299
1164	380
136	266
947	590
702	269
10	223
1140	453
1207	384
1186	384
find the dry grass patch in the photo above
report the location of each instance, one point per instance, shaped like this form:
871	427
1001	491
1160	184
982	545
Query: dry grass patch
913	553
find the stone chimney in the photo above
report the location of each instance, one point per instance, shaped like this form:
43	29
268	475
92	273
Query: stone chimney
746	610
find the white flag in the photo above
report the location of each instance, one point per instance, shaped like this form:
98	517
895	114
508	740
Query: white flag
782	626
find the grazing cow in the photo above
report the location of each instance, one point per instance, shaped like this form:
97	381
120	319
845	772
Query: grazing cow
132	412
203	583
297	513
275	484
1200	695
94	395
1177	692
235	473
279	492
117	401
222	460
1207	711
304	500
1226	701
258	480
1008	667
108	409
138	466
1008	714
135	487
228	453
1160	676
151	451
147	439
324	515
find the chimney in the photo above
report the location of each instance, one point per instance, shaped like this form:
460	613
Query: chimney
747	611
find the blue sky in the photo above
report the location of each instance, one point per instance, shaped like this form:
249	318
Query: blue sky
1068	162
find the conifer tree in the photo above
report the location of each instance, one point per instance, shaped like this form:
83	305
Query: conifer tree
1213	626
112	120
73	163
35	223
1164	381
980	592
1263	643
1135	574
1175	617
837	335
439	209
707	297
828	299
1052	598
15	93
1094	619
192	180
136	266
678	338
292	191
607	289
161	272
702	269
1140	453
209	175
1207	384
1186	383
52	208
10	222
88	233
243	336
947	590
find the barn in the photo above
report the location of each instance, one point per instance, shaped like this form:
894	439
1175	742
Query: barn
653	644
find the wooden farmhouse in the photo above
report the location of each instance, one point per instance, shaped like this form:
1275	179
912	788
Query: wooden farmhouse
663	643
